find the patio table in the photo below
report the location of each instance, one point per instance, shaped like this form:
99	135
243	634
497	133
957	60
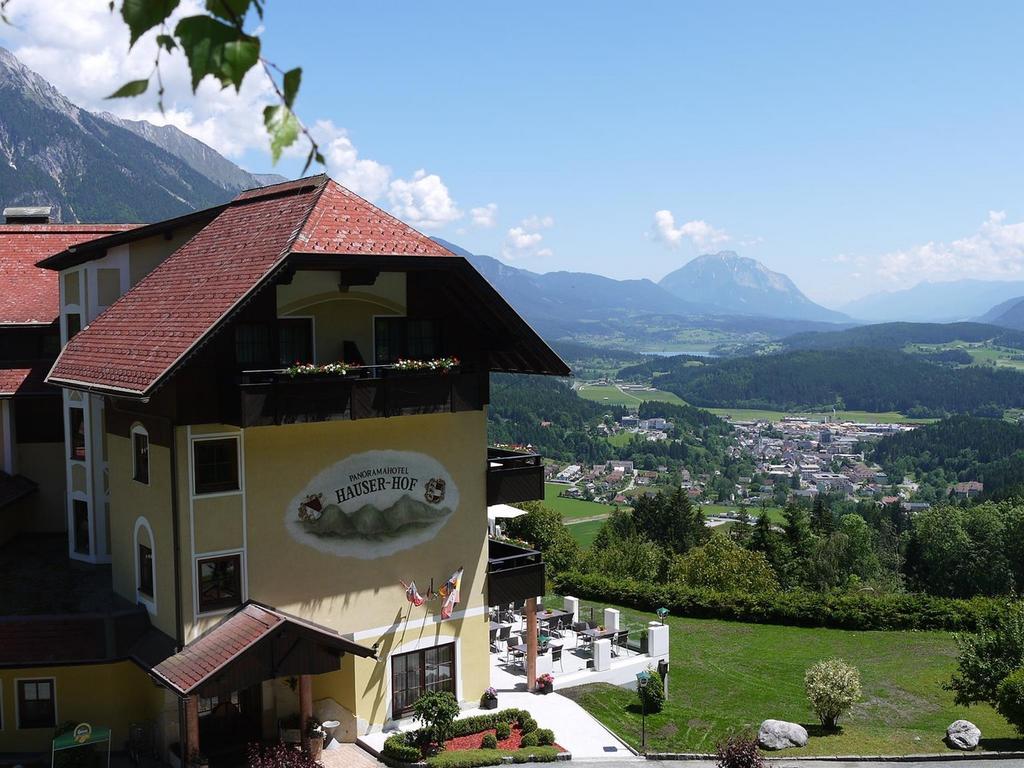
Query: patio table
555	616
599	634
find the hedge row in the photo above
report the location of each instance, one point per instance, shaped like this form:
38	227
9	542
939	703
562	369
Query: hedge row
861	610
407	746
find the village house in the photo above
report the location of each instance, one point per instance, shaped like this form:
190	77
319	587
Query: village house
241	519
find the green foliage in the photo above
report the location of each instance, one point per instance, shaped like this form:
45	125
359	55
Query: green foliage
529	740
142	15
408	746
472	758
633	557
283	127
858	378
796	607
437	711
739	752
527	724
218	49
502	730
131	88
988	656
670	520
543	528
490	741
959	448
401	747
724	565
832	686
652	695
1010	699
545	737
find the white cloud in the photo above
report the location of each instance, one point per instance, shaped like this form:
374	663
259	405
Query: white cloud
364	177
523	241
423	201
698	232
82	49
994	252
486	216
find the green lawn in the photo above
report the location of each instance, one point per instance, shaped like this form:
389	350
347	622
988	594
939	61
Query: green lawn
569	508
620	439
606	393
727	677
755	414
585	533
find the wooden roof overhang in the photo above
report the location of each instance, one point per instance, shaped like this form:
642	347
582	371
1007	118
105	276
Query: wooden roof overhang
252	644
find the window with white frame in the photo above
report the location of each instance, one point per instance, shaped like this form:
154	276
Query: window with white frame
37	703
145	566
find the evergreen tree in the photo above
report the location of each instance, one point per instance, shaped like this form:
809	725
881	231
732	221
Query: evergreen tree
822	521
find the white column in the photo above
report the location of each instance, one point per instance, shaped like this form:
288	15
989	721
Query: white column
572	604
611	619
657	640
602	654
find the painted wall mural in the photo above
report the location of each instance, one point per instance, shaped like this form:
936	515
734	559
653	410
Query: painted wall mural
373	504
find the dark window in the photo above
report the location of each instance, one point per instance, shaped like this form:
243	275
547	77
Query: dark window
74	324
140	450
216	465
252	344
413	674
80	513
220	583
36	704
295	340
145	570
76	420
401	337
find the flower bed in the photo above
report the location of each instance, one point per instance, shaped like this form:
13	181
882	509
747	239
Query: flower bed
520	740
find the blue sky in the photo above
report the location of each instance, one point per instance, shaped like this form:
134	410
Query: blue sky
855	147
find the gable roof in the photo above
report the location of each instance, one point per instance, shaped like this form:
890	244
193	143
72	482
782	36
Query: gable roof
19	378
31	295
137	342
211	653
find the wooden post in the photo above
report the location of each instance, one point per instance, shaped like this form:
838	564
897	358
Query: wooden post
190	730
305	702
531	643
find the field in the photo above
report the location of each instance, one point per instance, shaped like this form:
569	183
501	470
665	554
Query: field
754	414
585	533
727	677
982	353
612	395
569	508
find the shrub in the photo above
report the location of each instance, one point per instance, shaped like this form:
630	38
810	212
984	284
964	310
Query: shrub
502	731
988	656
530	740
490	741
437	711
724	565
527	724
1010	699
545	737
739	752
795	607
281	756
652	695
833	686
397	747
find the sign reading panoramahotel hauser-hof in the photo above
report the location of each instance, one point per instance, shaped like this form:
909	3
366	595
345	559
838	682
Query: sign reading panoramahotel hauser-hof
373	504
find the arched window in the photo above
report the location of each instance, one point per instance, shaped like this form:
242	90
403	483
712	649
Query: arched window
140	454
145	564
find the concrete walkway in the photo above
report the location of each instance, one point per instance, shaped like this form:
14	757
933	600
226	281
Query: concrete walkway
782	762
574	728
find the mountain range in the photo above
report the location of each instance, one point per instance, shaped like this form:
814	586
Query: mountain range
96	167
930	302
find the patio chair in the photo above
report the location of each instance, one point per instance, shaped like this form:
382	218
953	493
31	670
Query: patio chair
621	642
556	655
500	647
505	633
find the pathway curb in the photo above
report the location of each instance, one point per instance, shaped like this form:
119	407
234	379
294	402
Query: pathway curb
932	757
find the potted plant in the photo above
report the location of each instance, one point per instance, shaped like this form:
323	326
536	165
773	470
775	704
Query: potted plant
489	700
290	729
314	738
545	683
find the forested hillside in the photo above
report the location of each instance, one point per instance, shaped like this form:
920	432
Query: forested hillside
957	449
896	336
856	379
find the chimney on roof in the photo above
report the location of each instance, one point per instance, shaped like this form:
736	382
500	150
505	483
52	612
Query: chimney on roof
28	214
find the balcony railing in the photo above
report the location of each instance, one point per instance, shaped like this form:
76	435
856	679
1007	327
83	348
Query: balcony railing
275	397
513	573
513	477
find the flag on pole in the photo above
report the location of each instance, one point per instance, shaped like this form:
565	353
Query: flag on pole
449	593
412	594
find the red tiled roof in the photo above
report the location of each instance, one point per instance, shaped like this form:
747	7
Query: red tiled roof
24	378
30	294
204	657
139	339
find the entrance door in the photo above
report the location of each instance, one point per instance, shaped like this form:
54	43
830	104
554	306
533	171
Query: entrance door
228	724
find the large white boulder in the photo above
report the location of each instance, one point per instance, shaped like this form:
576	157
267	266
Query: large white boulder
778	734
963	734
